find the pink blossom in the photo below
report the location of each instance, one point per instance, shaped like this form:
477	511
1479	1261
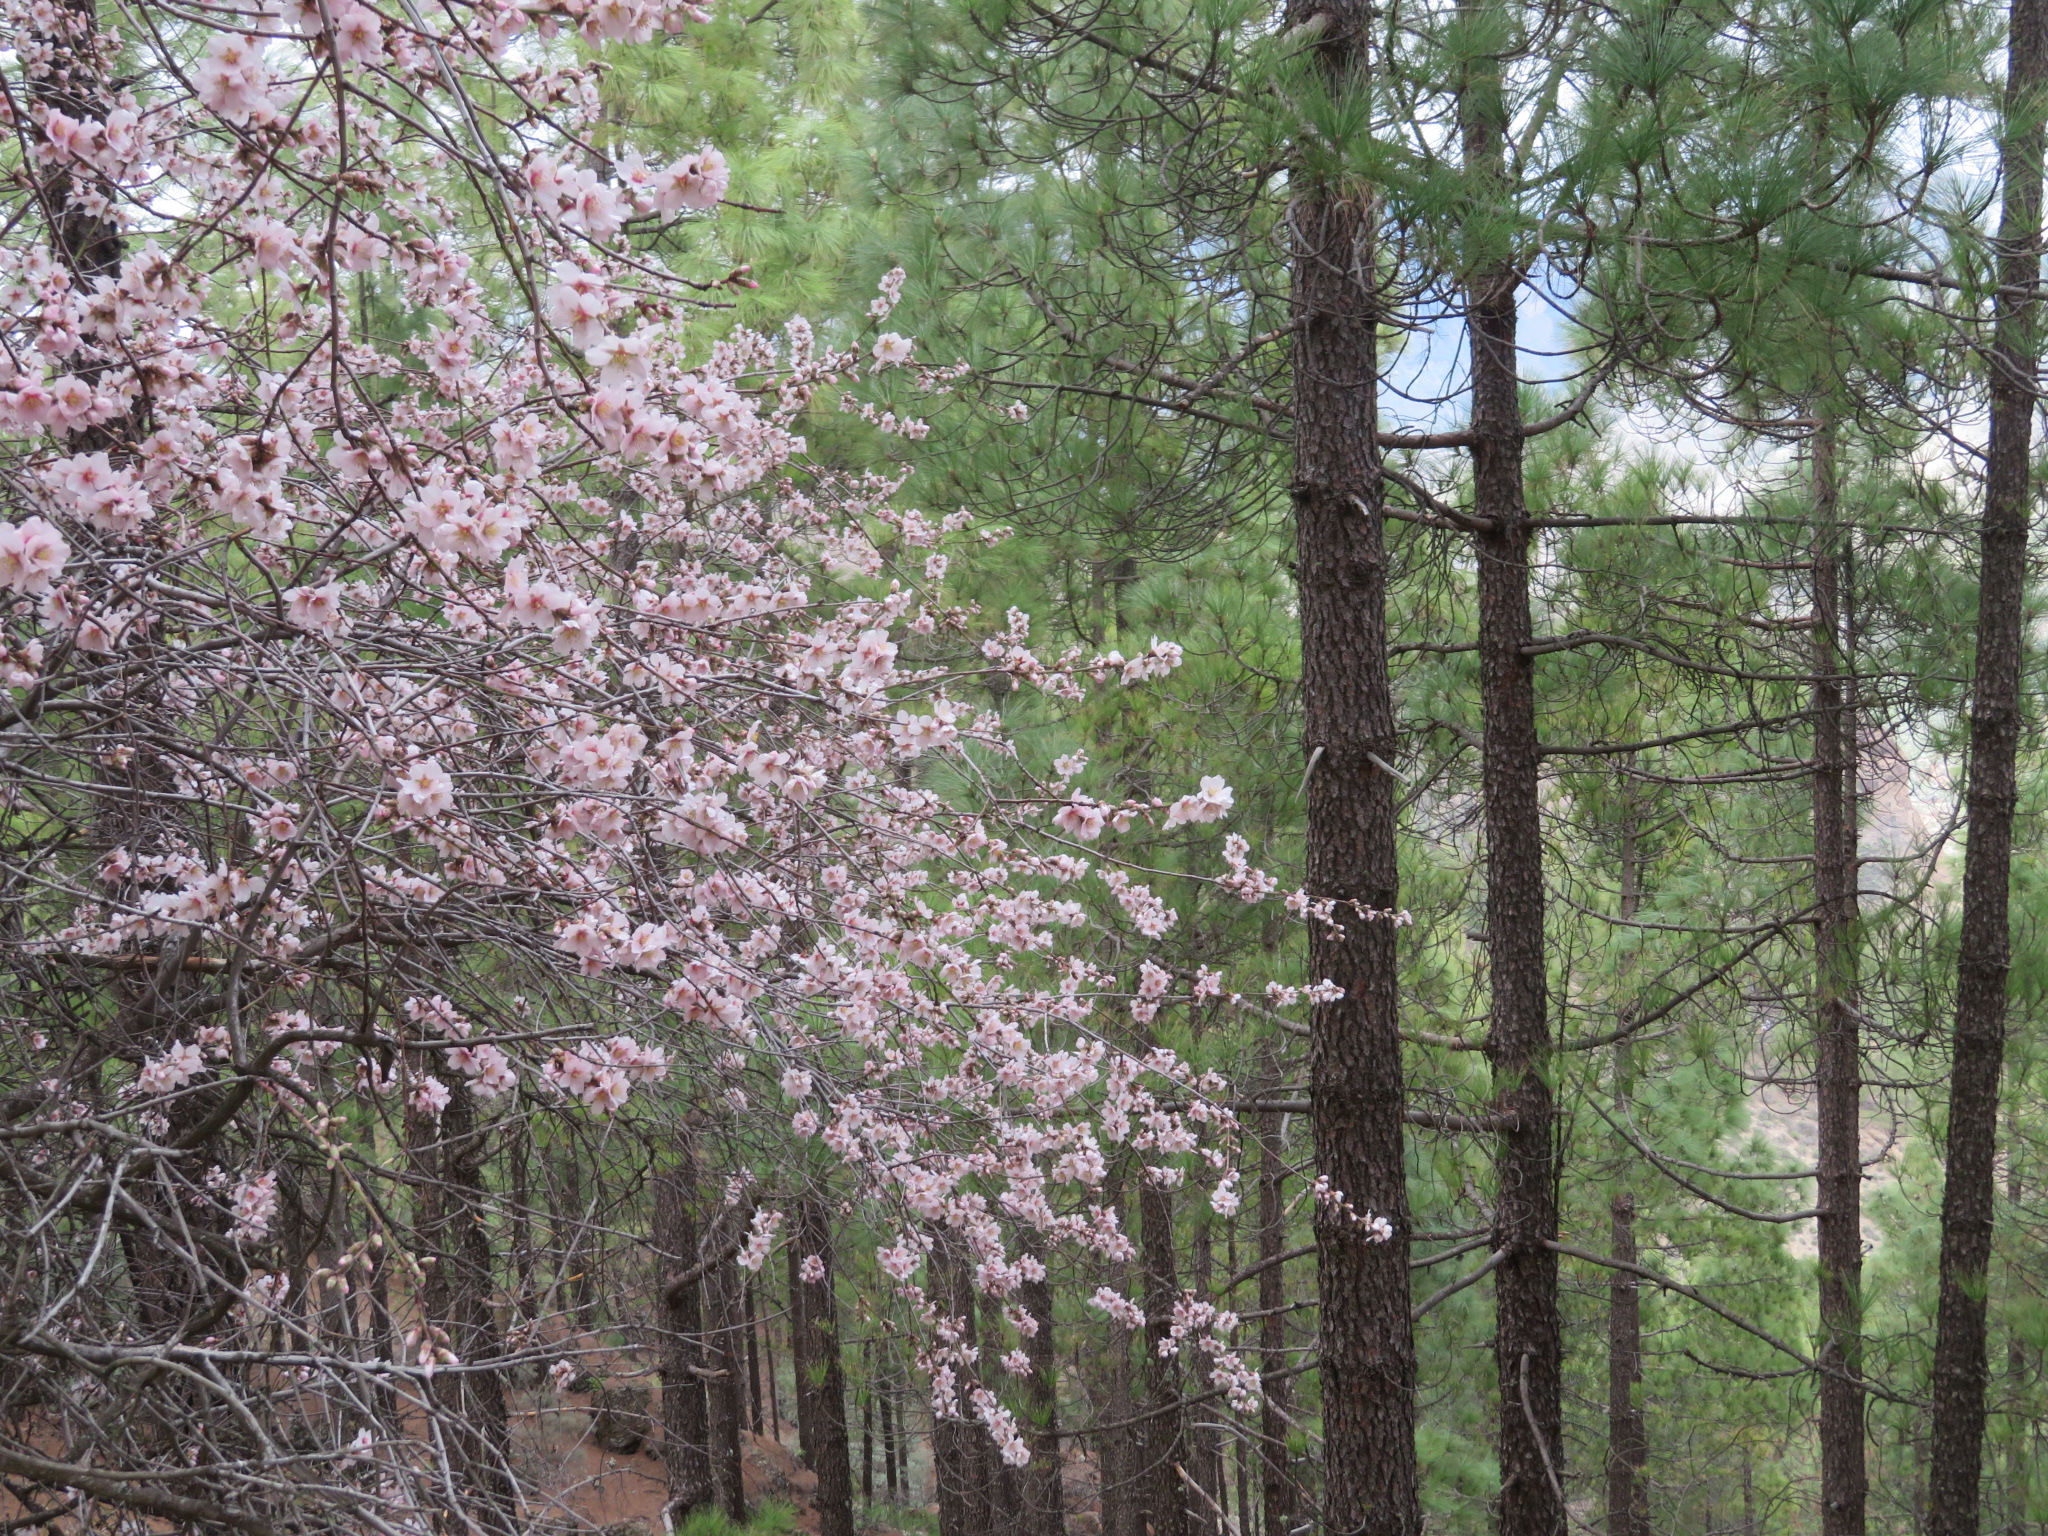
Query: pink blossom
272	245
425	790
1209	803
607	1090
358	35
899	1262
646	947
1081	818
31	555
694	181
1118	1306
254	1208
173	1069
106	497
231	78
279	822
761	1232
429	1097
317	610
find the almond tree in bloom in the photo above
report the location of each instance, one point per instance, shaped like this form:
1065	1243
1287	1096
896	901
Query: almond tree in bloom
418	733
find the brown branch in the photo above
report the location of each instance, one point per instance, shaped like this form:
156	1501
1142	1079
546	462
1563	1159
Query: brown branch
119	1490
672	1292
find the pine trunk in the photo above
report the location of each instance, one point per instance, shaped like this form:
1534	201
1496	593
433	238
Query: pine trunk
455	1300
891	1458
1627	1447
958	1466
725	1295
820	1374
1367	1340
1045	1494
1528	1340
1276	1474
1838	1067
1204	1435
685	1426
1117	1448
754	1419
1985	952
1166	1493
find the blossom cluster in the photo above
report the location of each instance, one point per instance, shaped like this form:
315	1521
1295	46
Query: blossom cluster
506	712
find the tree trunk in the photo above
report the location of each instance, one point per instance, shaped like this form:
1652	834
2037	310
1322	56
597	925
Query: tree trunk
2016	1460
455	1301
1165	1435
1005	1486
67	72
820	1375
806	1418
1117	1457
867	1424
73	80
1528	1341
725	1357
764	1333
578	1249
384	1328
754	1365
1628	1446
891	1457
1242	1473
1838	1064
958	1467
1277	1477
1355	1084
686	1448
1205	1444
1985	953
1045	1494
519	1148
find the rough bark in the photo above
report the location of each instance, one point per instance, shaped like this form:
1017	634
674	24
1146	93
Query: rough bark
1205	1442
1165	1493
754	1326
1045	1494
1528	1343
891	1457
725	1358
958	1467
455	1301
806	1417
1005	1486
686	1449
867	1424
519	1152
1117	1449
1276	1476
820	1374
1838	1063
1367	1341
1985	954
69	74
74	81
1628	1446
